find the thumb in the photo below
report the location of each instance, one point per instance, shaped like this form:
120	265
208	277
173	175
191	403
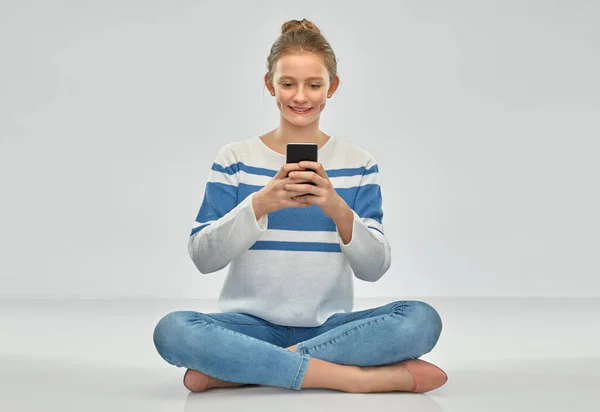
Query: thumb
283	172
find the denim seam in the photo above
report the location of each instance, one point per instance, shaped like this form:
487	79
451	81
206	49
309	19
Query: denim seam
315	348
241	323
302	361
343	323
358	326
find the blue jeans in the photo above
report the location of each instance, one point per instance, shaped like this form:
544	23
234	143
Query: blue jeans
238	347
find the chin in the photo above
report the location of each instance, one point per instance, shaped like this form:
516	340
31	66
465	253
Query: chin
301	122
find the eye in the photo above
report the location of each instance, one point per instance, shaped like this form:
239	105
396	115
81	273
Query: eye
313	86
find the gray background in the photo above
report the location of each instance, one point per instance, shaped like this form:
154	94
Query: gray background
483	116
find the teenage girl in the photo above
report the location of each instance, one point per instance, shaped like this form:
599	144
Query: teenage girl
295	236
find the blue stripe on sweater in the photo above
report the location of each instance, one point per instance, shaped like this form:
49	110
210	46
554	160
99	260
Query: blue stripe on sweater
252	170
220	199
296	246
374	228
199	228
368	202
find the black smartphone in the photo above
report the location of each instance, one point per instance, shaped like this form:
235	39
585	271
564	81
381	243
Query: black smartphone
297	152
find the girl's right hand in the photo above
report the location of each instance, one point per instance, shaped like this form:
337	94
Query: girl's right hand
274	196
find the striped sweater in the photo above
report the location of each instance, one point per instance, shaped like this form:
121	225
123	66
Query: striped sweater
289	267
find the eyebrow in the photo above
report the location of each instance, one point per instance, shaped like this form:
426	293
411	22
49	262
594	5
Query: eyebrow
310	78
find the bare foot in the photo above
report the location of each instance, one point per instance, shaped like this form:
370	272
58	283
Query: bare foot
197	381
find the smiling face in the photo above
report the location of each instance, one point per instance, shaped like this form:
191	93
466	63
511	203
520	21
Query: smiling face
300	81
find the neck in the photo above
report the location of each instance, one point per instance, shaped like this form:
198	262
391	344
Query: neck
290	133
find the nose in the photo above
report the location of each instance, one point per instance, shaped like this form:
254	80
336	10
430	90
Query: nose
299	96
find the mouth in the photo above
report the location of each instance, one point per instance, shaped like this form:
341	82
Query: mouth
306	110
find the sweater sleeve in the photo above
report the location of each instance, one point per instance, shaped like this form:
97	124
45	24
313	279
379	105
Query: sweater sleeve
368	252
223	229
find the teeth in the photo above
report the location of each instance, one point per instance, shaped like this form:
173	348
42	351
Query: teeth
300	110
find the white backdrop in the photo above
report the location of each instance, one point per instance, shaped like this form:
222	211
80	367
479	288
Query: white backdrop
483	117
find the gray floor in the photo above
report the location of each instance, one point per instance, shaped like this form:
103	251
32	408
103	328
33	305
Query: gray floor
515	354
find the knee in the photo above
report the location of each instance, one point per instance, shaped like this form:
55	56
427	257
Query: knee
426	323
168	331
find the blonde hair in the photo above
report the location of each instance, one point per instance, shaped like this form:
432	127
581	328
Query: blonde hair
298	36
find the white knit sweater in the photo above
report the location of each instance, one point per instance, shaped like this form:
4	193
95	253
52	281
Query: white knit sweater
290	267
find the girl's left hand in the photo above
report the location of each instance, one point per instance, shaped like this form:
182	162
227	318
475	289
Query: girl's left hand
323	194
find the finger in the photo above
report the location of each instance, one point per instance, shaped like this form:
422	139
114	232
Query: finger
308	176
296	195
293	202
280	185
316	166
286	168
308	164
299	187
301	175
310	199
283	171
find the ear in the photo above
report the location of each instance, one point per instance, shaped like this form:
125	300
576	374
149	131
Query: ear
268	83
334	85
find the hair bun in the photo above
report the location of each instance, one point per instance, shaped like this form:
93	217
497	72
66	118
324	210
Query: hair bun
293	25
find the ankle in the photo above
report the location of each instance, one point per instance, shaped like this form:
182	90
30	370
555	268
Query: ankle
362	381
365	381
